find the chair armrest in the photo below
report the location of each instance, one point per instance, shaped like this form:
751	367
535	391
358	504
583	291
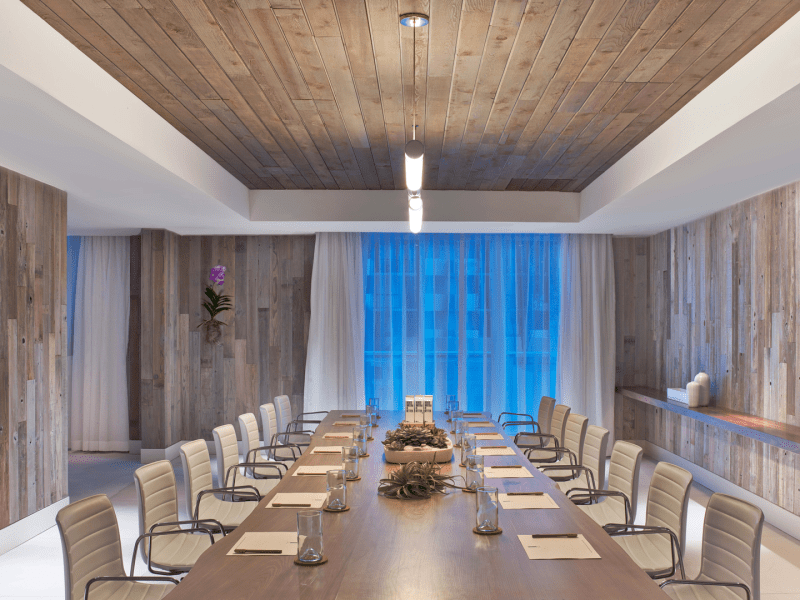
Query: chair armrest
594	495
542	437
213	522
247	496
131	578
557	454
152	534
528	418
251	455
708	583
626	529
317	412
252	466
575	470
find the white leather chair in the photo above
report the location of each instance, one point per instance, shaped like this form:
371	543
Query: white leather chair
165	546
592	473
287	422
618	503
283	452
255	452
657	546
532	442
571	453
540	425
92	551
201	495
730	556
263	475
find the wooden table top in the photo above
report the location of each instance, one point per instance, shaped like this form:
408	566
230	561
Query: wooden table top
384	548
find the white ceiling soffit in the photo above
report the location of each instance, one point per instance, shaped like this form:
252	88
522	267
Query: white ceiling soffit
68	123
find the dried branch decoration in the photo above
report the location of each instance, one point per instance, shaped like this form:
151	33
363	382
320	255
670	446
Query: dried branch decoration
415	481
399	438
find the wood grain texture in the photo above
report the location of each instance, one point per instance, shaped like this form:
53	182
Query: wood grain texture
381	548
33	352
718	295
511	94
189	386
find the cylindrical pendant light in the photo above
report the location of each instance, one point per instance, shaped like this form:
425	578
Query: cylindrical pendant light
414	153
414	212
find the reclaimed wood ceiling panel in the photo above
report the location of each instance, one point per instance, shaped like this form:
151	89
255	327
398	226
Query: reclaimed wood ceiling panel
511	95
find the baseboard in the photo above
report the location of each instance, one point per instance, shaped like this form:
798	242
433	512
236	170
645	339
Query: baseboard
773	514
20	532
150	455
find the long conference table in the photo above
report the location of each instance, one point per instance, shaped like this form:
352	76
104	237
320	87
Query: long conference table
408	549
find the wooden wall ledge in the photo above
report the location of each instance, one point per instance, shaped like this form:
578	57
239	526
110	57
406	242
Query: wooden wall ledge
774	433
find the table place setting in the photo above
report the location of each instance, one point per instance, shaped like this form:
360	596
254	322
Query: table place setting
327	450
488	435
495	451
351	416
557	546
479	424
504	471
297	500
321	470
345	423
338	436
526	500
266	543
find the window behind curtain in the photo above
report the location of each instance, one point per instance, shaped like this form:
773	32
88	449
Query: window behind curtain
469	315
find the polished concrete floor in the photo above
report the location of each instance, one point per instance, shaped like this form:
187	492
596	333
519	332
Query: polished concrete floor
34	569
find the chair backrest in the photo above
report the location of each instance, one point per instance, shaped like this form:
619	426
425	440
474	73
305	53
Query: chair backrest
196	471
90	543
227	448
283	409
558	423
248	425
668	499
731	548
623	473
157	494
594	453
269	422
546	405
575	435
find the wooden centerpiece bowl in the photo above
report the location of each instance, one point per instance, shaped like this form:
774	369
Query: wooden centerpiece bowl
415	442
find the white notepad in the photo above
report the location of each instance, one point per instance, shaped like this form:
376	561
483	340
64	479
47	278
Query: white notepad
526	502
346	423
316	500
480	424
494	473
338	436
327	450
285	541
555	548
490	451
315	470
488	435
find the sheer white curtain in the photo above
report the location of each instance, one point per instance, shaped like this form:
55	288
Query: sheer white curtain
335	357
586	337
99	414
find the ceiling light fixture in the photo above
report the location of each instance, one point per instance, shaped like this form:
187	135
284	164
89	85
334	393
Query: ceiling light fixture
414	212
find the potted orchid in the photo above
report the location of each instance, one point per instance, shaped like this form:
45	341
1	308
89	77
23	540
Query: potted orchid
217	303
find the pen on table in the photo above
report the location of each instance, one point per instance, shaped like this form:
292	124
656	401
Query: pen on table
507	467
246	551
554	535
525	494
287	505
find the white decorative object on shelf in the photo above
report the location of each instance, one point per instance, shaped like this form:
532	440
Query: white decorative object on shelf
694	392
419	409
705	382
677	396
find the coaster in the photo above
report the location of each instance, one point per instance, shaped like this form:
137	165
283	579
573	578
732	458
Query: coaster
311	564
354	479
364	455
345	509
469	491
497	531
370	439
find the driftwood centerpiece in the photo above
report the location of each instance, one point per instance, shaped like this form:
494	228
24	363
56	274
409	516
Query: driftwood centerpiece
410	443
414	481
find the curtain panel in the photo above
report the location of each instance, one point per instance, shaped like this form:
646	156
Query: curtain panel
335	356
99	388
475	316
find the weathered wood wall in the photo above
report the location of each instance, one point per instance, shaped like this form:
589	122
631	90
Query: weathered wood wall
718	295
33	346
188	386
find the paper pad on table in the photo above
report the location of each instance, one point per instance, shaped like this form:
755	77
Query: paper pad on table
316	500
346	423
489	451
327	450
493	473
523	502
285	541
552	548
480	424
315	470
337	436
489	435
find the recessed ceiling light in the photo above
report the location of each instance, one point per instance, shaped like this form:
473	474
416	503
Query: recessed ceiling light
414	19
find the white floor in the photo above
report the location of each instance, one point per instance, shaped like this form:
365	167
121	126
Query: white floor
35	570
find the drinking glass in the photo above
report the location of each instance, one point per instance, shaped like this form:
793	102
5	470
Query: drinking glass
474	472
360	439
469	445
337	489
373	419
486	509
456	414
450	404
309	536
459	427
366	421
350	461
374	402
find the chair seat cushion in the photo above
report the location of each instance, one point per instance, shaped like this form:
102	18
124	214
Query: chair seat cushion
703	592
128	590
566	486
651	552
179	552
610	510
230	514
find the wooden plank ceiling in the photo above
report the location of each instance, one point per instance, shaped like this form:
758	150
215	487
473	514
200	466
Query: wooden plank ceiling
511	95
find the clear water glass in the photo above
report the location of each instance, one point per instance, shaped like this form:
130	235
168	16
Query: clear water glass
450	403
468	446
474	465
366	421
309	536
375	403
360	439
486	509
337	489
350	461
459	427
373	419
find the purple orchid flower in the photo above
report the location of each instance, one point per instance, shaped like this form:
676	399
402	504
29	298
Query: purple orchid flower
217	275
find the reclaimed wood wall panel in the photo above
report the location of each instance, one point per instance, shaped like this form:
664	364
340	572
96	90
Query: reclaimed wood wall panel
718	295
510	94
33	346
262	352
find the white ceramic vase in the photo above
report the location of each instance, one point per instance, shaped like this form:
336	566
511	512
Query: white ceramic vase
694	392
705	382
